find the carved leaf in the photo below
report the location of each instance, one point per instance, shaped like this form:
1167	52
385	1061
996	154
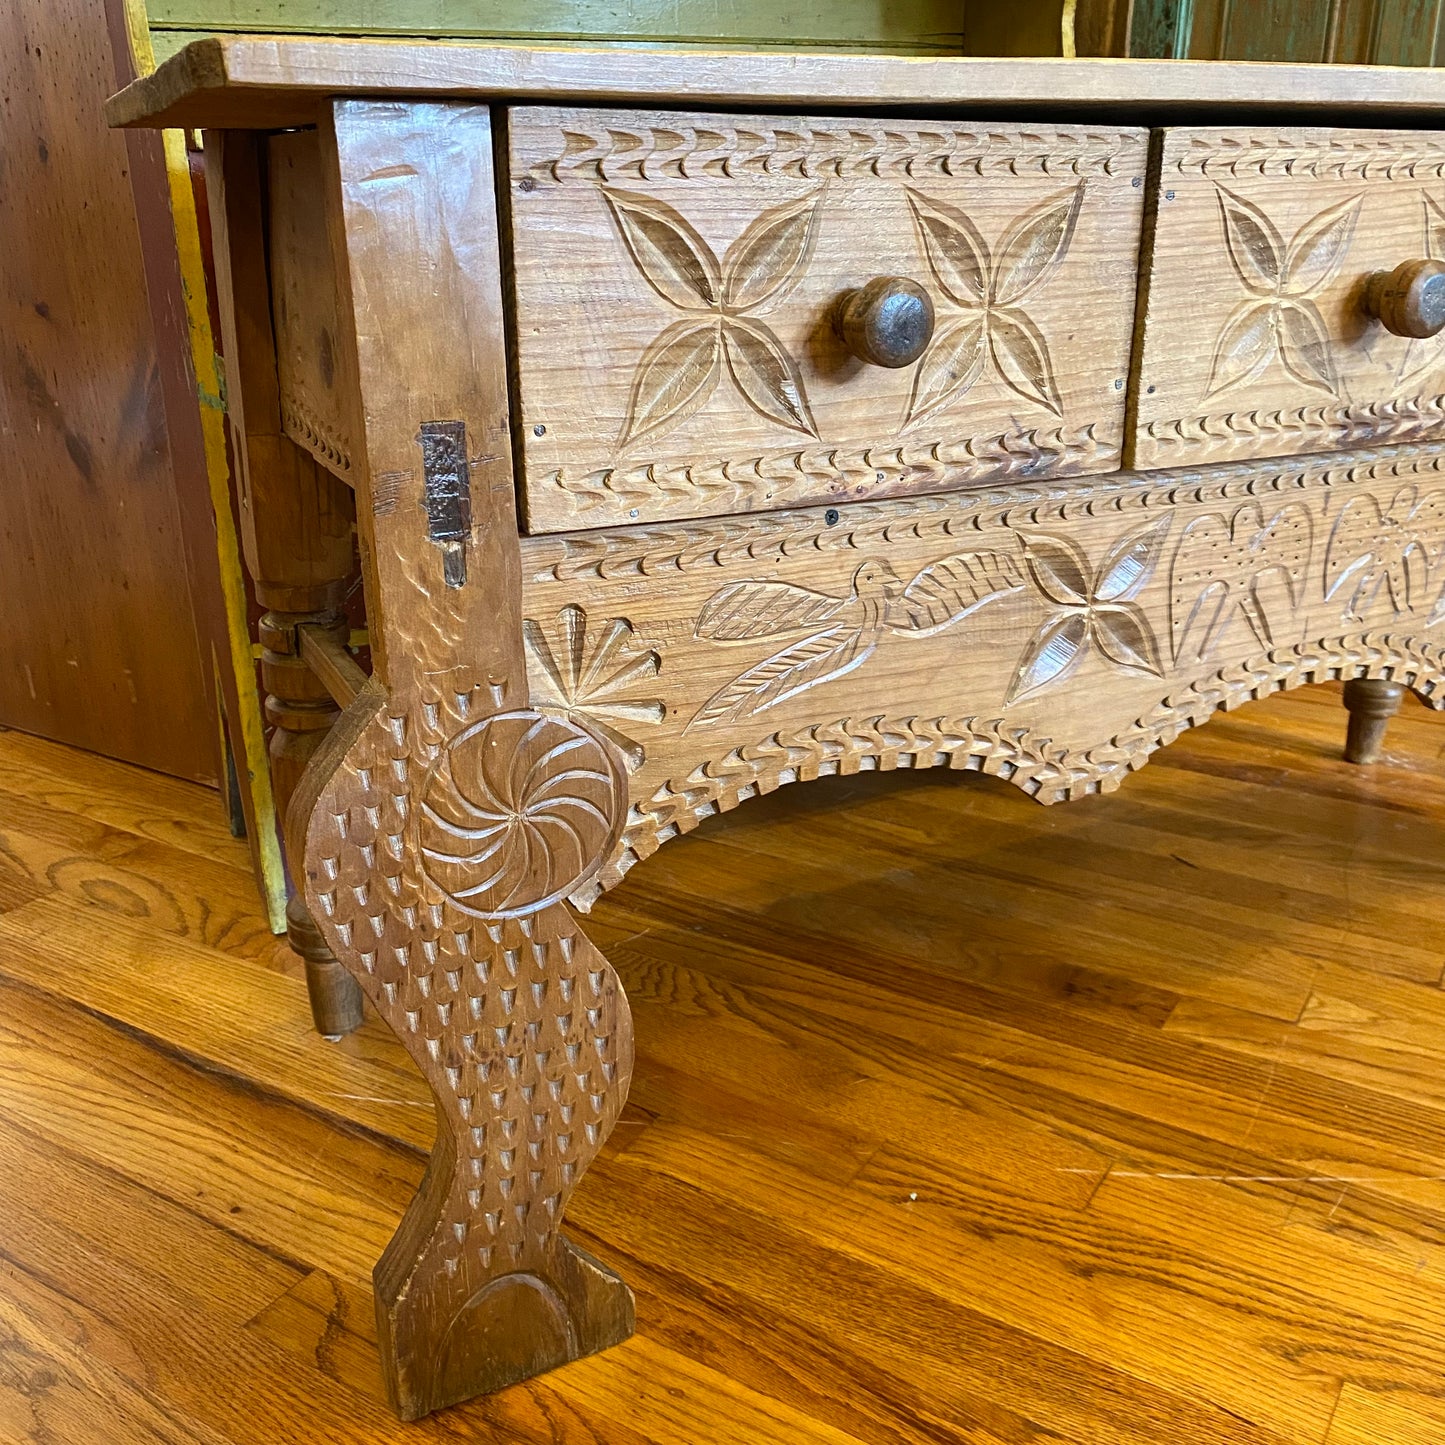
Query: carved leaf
1022	357
1253	244
1246	344
1055	650
677	375
1304	344
1434	229
1130	563
1059	568
1034	246
746	610
766	375
674	260
1319	247
1126	638
953	363
957	254
771	255
949	589
816	659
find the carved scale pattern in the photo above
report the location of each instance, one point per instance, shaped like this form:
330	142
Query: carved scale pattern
778	478
1307	426
815	152
524	1100
1042	769
1359	155
686	547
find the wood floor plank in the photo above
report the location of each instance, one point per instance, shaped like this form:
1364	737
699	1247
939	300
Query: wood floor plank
955	1120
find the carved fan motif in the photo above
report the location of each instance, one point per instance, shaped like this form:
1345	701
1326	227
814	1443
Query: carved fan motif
990	290
1394	549
1244	563
1279	318
1423	353
680	370
597	675
1095	608
840	632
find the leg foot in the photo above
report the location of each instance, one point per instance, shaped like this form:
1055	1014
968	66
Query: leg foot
335	995
1371	703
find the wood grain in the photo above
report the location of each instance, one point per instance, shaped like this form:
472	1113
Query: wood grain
700	259
978	1172
1256	338
221	81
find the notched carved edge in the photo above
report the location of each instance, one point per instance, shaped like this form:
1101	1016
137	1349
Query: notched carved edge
724	151
1035	764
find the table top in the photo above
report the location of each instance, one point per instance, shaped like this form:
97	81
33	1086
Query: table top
269	82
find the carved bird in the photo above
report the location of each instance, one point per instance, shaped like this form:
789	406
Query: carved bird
840	632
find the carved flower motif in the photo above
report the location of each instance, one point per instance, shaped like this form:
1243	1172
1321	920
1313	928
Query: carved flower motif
1095	608
517	811
595	675
680	370
1422	353
1279	319
991	291
1392	548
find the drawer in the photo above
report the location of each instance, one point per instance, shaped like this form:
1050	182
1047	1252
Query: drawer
677	280
1257	337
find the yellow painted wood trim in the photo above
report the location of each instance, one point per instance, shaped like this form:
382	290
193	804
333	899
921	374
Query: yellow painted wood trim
255	759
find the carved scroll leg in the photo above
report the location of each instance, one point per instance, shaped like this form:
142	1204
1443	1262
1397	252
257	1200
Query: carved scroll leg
1371	703
479	1288
435	858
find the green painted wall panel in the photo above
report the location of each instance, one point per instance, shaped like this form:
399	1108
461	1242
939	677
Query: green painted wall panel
892	24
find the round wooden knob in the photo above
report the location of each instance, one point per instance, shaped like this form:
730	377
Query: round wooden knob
1410	300
888	322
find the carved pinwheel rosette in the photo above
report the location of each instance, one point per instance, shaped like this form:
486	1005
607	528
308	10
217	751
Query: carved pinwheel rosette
719	328
517	811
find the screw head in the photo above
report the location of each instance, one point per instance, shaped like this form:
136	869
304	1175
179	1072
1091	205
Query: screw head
539	430
831	516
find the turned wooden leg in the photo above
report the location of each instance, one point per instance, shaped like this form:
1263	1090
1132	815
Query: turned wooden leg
302	712
1371	703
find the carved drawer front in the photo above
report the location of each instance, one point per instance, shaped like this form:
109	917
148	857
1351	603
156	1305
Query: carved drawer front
1263	332
681	282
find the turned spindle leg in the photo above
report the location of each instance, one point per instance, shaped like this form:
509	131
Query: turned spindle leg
1371	703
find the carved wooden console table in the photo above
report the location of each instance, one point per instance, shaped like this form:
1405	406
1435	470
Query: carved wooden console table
859	412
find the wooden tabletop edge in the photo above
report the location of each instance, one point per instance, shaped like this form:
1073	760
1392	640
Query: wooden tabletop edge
270	81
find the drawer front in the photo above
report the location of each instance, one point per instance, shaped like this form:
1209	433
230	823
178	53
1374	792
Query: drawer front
677	278
1257	336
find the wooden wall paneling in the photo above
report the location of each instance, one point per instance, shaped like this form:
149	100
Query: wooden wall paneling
96	569
517	1022
296	521
178	277
644	395
920	25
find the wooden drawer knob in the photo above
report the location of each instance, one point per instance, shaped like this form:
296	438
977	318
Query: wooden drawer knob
888	322
1410	300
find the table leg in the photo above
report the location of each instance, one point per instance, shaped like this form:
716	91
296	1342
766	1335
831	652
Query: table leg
445	820
1372	702
296	526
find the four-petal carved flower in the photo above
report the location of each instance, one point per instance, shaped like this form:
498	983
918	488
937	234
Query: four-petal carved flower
991	290
1279	319
1095	608
597	676
680	370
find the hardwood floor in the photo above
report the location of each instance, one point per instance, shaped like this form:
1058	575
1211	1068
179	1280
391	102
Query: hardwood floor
955	1119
